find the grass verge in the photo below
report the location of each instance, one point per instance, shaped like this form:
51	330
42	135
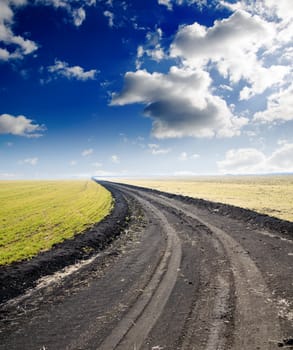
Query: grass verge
35	215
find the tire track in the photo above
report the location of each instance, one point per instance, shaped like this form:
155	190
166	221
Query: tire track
253	297
188	285
133	329
219	295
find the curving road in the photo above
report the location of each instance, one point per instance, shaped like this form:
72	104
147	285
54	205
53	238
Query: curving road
180	277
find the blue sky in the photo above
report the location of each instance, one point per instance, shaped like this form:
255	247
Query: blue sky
145	88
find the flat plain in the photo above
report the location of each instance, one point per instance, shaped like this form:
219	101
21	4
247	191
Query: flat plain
271	195
35	215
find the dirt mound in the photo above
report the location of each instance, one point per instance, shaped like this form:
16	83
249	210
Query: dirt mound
17	277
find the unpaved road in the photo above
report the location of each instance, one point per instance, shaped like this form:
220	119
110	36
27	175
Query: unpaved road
180	277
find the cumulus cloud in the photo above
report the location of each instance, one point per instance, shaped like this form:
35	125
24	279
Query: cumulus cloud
263	79
272	9
243	160
249	46
279	107
227	39
75	72
282	158
87	152
250	50
19	126
180	103
157	150
233	45
15	46
253	161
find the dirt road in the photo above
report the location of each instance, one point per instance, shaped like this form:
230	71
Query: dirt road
182	276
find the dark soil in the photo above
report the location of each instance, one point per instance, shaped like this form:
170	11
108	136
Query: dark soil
19	276
232	289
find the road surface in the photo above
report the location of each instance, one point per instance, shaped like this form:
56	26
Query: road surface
180	277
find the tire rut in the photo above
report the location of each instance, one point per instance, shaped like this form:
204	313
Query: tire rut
218	294
186	284
253	297
132	330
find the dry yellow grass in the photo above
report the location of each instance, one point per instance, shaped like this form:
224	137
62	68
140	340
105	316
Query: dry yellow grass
34	215
272	195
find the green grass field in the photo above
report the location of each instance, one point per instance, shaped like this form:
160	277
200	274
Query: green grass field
272	195
34	215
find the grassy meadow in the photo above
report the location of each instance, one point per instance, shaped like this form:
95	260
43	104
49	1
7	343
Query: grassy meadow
34	215
271	195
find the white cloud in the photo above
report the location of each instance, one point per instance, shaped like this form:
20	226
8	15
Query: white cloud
74	8
115	159
250	49
30	161
282	9
110	17
253	161
282	158
78	16
20	126
152	48
237	36
157	150
184	156
232	45
73	163
74	72
243	160
241	47
167	3
18	47
180	103
279	107
87	152
264	78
